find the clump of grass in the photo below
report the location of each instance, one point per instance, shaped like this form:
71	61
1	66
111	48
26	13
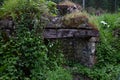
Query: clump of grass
77	18
94	21
76	14
74	19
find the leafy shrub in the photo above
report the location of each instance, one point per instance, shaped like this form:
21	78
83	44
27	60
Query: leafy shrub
55	54
25	56
108	72
59	74
117	23
108	18
52	7
21	57
108	52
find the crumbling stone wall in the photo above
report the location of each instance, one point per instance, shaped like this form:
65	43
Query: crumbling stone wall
78	45
80	50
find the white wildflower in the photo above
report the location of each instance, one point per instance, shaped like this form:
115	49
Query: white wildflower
103	22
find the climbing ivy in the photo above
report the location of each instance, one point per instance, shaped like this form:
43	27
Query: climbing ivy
25	56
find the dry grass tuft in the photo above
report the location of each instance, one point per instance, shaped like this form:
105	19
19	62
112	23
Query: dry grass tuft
75	19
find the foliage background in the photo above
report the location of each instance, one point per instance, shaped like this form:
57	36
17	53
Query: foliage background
108	5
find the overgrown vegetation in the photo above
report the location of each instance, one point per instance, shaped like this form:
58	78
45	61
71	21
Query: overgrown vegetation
25	56
75	19
59	74
108	51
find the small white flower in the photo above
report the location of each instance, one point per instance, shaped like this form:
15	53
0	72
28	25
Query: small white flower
50	45
103	22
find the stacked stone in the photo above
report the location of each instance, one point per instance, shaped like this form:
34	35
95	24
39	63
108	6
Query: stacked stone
77	35
7	28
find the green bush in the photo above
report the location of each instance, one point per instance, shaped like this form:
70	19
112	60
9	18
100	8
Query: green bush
25	56
117	23
59	74
109	19
16	7
22	56
108	72
107	52
55	54
52	7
